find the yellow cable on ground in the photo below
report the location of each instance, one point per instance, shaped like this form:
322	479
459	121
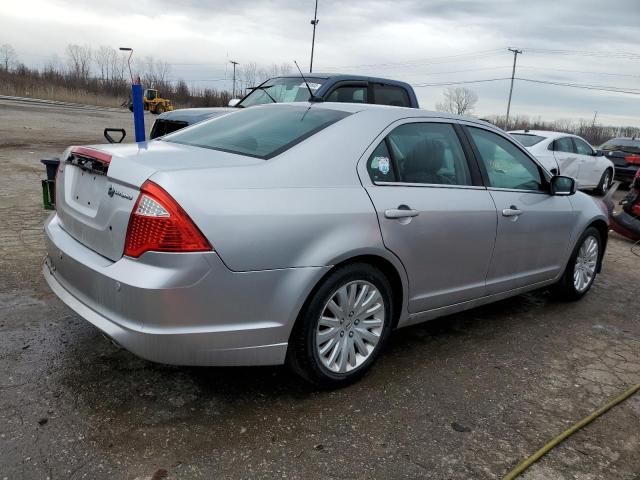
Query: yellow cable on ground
567	433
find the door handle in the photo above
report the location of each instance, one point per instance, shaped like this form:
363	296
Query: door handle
401	213
512	211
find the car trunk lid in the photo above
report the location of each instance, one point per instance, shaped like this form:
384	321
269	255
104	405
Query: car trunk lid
97	186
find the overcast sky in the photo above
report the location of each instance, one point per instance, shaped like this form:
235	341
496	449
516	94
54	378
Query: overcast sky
429	41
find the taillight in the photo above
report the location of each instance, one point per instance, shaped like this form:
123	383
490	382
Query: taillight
635	159
159	224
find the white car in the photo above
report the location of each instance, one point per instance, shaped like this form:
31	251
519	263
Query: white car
570	155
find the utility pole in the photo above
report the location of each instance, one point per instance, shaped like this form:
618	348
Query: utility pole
595	115
314	22
234	77
513	74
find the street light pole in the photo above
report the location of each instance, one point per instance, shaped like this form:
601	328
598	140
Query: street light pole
314	22
513	74
234	78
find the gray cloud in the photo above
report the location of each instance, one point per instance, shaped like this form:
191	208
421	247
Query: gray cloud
404	39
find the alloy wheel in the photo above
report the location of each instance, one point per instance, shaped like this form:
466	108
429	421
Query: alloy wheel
606	180
586	261
350	326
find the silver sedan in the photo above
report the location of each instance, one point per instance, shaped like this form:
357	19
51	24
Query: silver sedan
305	233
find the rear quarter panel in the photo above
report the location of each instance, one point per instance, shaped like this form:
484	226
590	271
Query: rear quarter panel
303	208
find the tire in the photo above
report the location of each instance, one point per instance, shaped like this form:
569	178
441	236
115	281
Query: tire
159	109
573	286
605	182
347	337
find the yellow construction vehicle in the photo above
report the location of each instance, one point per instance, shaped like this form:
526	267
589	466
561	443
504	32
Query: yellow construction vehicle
153	102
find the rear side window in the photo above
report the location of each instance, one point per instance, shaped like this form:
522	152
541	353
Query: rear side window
428	153
261	132
390	95
507	166
163	127
349	94
527	139
379	165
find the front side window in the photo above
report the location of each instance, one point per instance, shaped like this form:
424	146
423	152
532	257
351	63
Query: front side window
507	166
281	90
428	153
390	95
348	94
582	148
563	144
258	132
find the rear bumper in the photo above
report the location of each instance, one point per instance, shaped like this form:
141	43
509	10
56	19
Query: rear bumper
625	174
182	309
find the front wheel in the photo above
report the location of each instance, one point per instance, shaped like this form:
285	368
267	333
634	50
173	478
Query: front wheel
343	327
582	268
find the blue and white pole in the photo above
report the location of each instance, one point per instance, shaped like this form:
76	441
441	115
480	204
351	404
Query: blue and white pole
138	111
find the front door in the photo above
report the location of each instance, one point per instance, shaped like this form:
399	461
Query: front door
534	227
568	160
434	213
590	168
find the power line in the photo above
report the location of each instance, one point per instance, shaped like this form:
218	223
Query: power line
426	61
606	88
462	82
581	71
588	53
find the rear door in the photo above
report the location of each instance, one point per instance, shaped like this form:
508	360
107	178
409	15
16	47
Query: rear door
349	92
534	227
434	213
567	158
394	95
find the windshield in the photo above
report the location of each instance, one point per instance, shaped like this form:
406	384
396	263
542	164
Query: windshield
258	132
526	139
281	89
624	144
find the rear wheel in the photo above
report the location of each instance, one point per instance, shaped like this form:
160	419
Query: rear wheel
605	182
582	268
343	327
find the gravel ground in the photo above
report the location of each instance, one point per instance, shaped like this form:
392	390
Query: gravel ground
462	397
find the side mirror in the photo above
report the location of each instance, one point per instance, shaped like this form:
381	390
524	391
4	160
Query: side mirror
233	102
561	185
599	153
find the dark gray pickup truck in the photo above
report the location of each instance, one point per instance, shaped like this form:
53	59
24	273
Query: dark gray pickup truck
293	88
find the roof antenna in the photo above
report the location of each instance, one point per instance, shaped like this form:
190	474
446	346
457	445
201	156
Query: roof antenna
312	97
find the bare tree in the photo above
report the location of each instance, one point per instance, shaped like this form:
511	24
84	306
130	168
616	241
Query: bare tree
249	74
8	57
79	60
102	57
458	100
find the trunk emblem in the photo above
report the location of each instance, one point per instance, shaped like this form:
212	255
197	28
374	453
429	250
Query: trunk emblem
112	191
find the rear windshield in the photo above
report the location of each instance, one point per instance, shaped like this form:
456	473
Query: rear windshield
621	144
261	132
526	139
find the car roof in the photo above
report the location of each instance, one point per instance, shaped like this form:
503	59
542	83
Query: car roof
391	112
344	76
544	133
